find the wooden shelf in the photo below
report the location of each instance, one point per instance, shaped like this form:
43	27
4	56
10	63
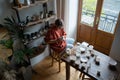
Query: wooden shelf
33	39
40	21
33	23
31	5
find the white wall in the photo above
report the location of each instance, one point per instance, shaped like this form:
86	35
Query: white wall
40	57
72	23
115	50
5	11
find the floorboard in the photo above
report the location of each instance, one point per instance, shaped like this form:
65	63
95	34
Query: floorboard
47	72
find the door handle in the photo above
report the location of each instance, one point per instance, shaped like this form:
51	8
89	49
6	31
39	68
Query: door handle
97	20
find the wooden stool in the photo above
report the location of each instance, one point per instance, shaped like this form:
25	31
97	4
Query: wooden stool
56	56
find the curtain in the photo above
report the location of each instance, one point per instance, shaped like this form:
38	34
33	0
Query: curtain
68	11
62	11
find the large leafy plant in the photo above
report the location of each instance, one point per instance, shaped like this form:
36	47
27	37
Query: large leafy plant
13	28
21	55
16	33
7	43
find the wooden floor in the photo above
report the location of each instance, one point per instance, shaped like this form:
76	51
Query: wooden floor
47	72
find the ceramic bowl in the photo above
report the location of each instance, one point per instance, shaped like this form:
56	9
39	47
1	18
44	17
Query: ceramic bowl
112	63
83	59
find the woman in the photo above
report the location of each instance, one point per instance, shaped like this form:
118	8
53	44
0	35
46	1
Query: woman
55	36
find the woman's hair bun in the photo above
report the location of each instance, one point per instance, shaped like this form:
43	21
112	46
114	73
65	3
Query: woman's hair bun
59	22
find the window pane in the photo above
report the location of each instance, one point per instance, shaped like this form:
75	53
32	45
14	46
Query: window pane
88	12
109	15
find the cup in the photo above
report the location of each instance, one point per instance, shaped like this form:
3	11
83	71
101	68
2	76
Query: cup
97	60
90	47
72	58
82	50
83	66
88	55
98	73
78	44
92	53
77	54
68	51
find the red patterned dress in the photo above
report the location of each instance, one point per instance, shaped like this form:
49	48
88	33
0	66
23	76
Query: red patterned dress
54	34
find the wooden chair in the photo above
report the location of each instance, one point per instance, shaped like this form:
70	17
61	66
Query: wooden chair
56	56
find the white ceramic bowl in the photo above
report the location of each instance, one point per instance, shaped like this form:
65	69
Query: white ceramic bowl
77	54
82	49
83	59
72	58
112	63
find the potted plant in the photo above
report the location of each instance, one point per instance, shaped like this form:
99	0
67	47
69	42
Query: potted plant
20	52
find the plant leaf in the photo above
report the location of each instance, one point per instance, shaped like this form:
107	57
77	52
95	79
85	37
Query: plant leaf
8	20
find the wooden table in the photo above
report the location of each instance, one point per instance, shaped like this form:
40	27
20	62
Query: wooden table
105	72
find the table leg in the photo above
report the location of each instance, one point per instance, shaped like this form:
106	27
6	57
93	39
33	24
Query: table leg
67	71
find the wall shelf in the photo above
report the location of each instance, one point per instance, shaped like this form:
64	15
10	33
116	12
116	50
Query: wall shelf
39	21
31	5
25	43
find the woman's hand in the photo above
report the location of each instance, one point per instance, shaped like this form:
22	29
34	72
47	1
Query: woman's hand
51	41
55	41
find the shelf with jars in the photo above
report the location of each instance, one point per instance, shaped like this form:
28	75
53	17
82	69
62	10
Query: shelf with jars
29	38
44	15
38	21
23	6
39	17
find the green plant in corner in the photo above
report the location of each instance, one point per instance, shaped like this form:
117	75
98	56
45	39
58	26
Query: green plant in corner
21	55
7	43
20	52
13	28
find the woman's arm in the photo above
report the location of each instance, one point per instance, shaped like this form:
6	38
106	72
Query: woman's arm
51	41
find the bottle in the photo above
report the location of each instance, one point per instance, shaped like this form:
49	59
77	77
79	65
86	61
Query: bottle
27	2
45	10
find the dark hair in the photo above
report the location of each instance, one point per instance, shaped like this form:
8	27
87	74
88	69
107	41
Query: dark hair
59	22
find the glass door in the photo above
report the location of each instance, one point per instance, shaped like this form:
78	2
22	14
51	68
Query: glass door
107	23
86	21
97	23
88	12
109	16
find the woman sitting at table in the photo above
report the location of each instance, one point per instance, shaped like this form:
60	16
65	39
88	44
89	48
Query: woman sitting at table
55	36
